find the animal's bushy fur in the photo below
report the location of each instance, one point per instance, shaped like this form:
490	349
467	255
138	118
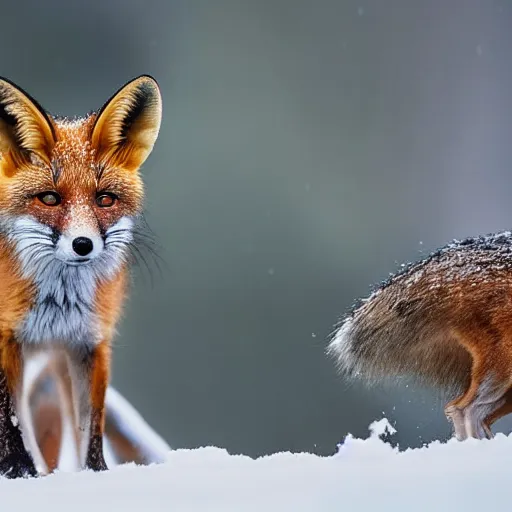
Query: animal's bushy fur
420	321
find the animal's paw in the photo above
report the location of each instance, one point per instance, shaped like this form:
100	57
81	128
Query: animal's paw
96	462
17	465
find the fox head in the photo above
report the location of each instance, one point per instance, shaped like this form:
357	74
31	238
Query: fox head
70	190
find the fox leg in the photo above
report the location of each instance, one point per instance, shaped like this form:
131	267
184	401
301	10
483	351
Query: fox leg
485	394
45	411
456	416
469	412
15	461
90	374
489	399
504	409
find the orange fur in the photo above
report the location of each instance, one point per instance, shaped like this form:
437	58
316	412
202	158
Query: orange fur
16	293
99	382
48	427
11	361
15	299
76	161
110	298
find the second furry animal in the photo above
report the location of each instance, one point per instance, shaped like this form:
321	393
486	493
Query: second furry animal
446	321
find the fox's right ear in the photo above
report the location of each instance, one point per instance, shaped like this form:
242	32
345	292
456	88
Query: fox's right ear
25	128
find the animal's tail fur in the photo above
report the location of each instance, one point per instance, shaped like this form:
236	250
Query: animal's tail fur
130	437
400	334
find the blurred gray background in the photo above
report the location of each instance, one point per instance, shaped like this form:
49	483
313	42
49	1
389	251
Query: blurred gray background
307	148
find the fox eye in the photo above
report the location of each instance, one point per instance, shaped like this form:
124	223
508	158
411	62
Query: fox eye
106	199
49	198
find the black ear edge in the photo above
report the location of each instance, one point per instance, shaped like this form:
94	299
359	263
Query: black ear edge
105	105
41	110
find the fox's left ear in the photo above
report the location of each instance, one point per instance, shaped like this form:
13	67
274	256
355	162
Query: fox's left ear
127	126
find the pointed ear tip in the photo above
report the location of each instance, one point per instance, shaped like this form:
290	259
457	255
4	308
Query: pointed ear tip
147	80
151	90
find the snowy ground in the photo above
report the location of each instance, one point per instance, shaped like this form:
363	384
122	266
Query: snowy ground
363	475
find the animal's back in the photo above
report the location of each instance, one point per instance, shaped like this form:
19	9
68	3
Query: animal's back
431	319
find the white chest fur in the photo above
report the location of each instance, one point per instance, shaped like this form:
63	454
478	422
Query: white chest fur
64	307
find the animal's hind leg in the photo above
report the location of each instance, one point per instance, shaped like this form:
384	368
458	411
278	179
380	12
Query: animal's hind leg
490	381
456	416
489	399
503	410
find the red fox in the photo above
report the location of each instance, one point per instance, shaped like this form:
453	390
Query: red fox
446	321
70	198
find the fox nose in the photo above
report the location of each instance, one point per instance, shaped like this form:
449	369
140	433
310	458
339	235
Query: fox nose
82	245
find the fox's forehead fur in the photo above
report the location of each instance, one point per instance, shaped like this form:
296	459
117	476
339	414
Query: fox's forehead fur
77	170
73	157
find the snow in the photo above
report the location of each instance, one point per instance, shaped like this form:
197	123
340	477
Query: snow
363	475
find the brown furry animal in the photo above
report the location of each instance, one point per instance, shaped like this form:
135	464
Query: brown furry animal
445	321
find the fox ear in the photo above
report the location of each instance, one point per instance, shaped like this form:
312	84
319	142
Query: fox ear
24	125
127	126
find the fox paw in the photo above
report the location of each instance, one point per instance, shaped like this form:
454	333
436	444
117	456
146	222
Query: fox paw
16	465
96	462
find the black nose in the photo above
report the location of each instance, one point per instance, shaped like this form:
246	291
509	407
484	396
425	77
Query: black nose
82	245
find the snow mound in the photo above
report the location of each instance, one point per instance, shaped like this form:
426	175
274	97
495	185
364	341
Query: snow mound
364	474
